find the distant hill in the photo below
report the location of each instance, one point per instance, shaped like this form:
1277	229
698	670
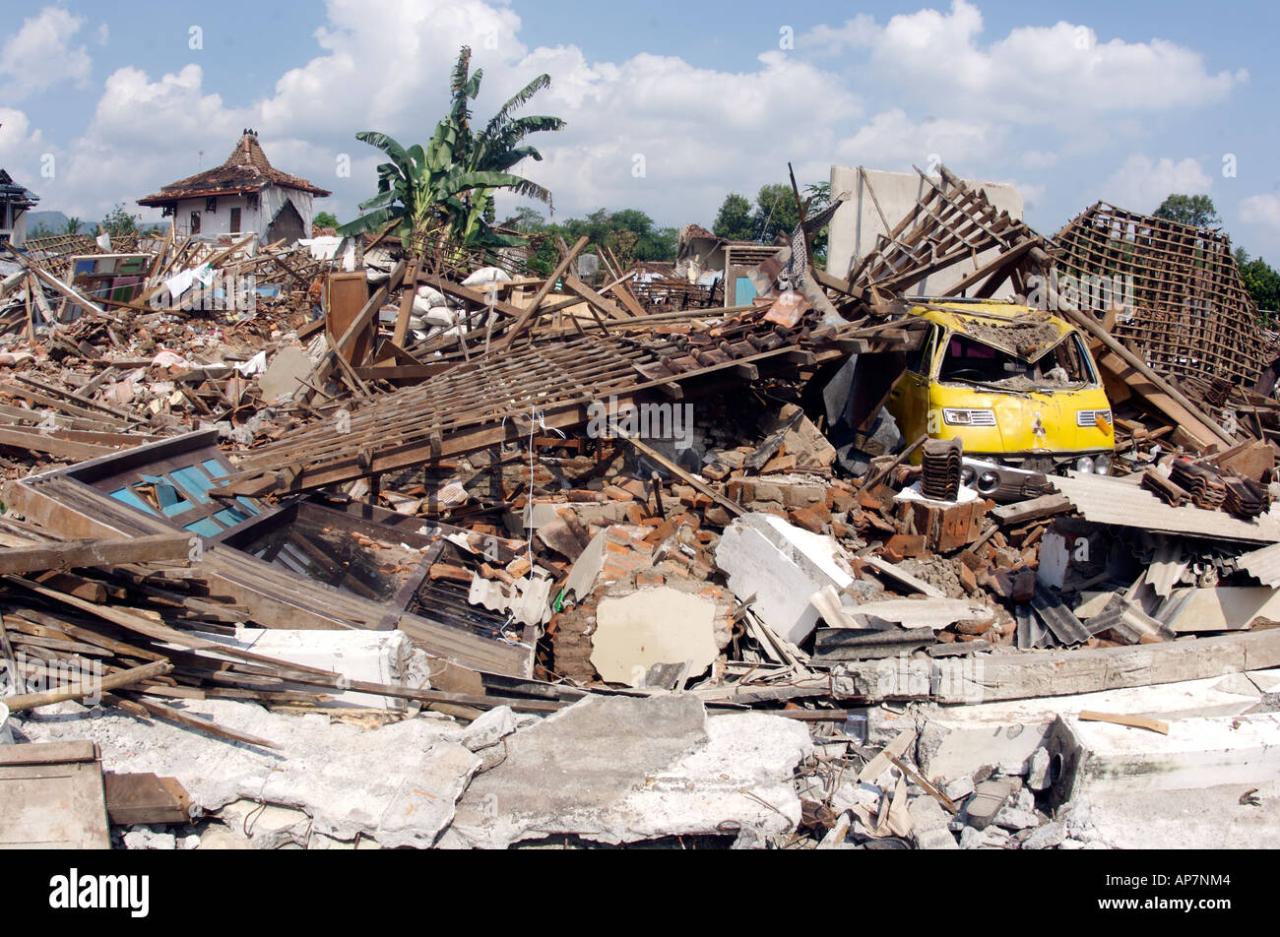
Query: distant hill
55	221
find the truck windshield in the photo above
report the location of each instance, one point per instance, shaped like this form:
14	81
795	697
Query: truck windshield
969	361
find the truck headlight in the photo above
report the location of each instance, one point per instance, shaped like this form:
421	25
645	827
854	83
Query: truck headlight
1102	464
954	417
1084	465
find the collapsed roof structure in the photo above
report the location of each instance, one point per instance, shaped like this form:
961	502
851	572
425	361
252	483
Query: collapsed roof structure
1181	300
445	492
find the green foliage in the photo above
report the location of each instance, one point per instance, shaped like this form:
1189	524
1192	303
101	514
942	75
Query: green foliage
819	197
450	183
776	212
526	220
119	222
324	219
733	221
1263	282
1195	210
73	226
629	233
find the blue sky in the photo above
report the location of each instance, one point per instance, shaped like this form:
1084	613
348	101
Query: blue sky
670	105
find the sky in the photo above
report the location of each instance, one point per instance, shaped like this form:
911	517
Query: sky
670	105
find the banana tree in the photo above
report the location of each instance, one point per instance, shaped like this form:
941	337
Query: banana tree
451	183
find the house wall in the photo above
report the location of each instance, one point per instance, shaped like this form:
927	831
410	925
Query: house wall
252	220
699	255
856	225
14	230
218	222
273	199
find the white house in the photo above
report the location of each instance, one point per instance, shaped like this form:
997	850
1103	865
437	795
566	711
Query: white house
245	195
14	202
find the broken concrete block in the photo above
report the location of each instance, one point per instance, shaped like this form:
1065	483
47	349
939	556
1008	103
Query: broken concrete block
623	769
926	815
960	788
1100	757
397	783
140	837
653	626
490	729
988	798
1038	770
1012	818
955	743
289	368
991	838
936	839
782	566
930	824
1048	836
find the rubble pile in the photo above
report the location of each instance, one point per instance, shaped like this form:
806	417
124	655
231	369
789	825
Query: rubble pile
595	560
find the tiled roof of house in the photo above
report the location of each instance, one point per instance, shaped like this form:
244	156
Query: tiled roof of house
247	169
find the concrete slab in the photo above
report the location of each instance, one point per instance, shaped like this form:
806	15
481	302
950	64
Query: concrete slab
288	369
958	740
397	783
1197	752
783	566
622	769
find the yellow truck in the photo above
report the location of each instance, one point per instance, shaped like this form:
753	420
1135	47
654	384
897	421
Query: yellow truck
1016	385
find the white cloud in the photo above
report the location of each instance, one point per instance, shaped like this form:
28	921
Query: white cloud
1262	210
857	33
892	140
21	149
1035	73
40	55
698	132
1039	159
1141	184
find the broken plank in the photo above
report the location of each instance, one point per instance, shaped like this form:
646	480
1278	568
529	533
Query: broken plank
53	445
145	798
1120	719
902	577
74	554
1011	515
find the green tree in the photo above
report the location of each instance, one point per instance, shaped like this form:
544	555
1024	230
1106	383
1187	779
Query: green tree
73	226
449	184
1262	281
733	221
119	222
1195	210
818	196
776	212
324	219
525	220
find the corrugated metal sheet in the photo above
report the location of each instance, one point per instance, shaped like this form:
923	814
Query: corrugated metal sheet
1115	501
1263	564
